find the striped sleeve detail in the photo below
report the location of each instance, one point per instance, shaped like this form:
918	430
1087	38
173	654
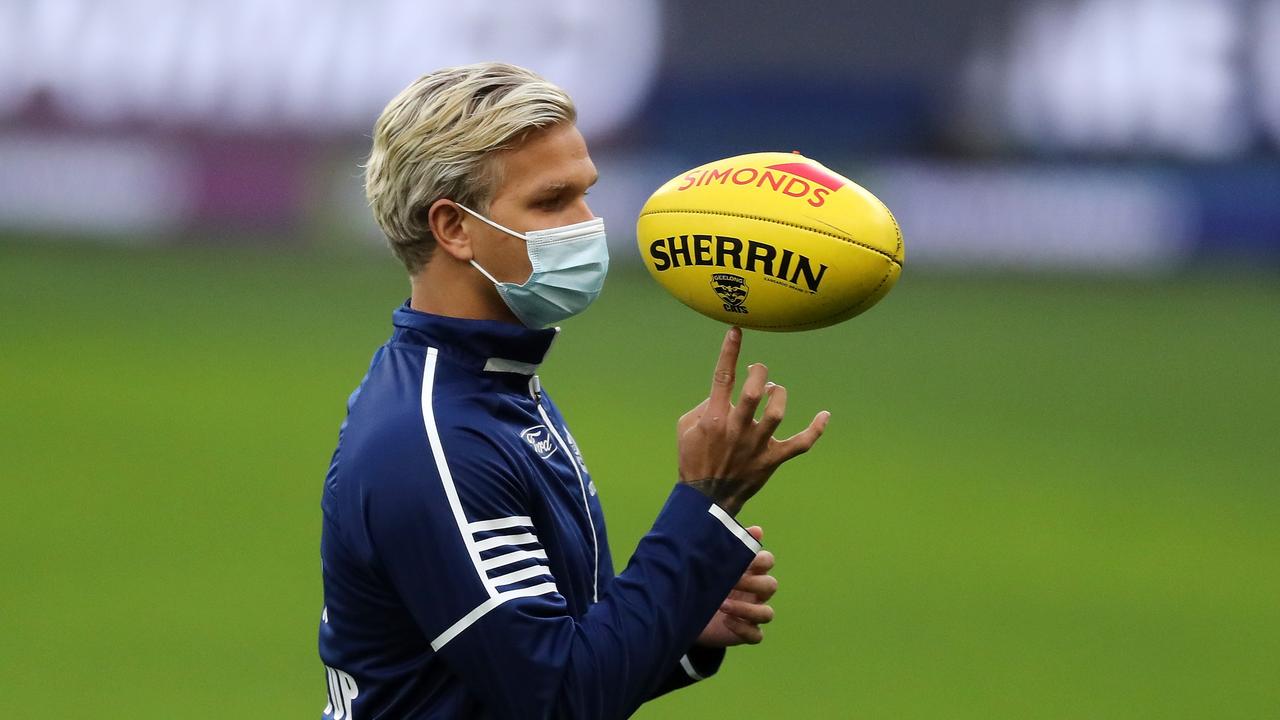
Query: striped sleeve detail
511	556
512	563
732	526
505	552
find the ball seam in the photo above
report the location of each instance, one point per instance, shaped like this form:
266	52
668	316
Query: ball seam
851	241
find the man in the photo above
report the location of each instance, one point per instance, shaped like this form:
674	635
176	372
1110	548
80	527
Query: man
466	569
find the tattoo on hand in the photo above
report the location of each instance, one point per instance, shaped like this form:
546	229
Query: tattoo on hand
721	491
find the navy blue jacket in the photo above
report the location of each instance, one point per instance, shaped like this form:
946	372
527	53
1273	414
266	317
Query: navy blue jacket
466	568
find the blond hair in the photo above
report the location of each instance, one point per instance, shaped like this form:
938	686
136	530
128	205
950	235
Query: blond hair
437	139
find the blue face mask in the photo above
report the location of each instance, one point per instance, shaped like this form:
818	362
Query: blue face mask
569	264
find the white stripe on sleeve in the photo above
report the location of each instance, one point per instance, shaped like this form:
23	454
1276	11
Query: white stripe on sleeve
688	668
483	608
718	513
500	540
522	574
501	523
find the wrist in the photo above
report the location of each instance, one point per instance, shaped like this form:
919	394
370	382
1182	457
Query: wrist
721	491
703	661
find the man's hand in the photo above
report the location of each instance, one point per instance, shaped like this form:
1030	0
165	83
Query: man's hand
724	451
747	608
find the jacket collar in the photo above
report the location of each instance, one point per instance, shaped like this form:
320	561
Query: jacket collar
482	345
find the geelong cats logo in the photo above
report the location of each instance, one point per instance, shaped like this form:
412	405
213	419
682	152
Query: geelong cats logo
732	290
539	438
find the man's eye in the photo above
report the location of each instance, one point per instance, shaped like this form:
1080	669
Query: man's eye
556	202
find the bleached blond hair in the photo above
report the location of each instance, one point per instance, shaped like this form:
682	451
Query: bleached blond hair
439	139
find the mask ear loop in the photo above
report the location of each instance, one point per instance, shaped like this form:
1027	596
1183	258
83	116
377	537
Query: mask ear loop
484	272
491	223
495	225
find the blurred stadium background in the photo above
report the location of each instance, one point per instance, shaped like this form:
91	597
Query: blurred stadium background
1051	486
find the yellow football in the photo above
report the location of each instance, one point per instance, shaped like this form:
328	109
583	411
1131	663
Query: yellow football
770	241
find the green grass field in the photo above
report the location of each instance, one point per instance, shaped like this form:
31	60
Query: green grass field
1038	498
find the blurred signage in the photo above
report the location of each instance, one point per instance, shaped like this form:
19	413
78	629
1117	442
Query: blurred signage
1189	78
1054	216
318	66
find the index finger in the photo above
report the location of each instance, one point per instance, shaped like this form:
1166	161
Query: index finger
723	379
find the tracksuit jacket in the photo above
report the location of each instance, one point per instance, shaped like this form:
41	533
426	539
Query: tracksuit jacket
463	550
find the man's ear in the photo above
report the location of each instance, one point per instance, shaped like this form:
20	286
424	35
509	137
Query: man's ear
445	220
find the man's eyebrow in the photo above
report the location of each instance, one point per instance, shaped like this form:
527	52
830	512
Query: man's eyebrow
552	188
558	186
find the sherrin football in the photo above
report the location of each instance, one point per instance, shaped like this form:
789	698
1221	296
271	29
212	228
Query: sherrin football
770	241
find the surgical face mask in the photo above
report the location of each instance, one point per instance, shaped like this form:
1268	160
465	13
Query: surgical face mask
569	264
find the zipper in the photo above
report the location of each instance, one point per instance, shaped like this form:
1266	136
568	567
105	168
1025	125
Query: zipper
535	392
